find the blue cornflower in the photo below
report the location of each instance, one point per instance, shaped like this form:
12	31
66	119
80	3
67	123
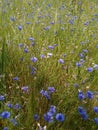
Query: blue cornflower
45	94
9	105
85	50
60	117
95	109
83	113
61	61
42	56
20	27
96	120
2	97
21	44
96	66
26	50
16	78
47	28
48	118
51	89
5	114
25	89
78	64
81	55
17	106
89	94
36	117
14	121
34	59
81	96
12	19
52	110
5	128
50	47
90	69
31	39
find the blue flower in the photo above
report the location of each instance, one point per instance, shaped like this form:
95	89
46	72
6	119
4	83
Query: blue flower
50	47
52	110
12	19
90	69
36	117
61	61
90	95
2	98
45	94
25	89
48	118
78	64
81	96
9	105
95	109
31	39
20	27
83	113
51	89
14	121
5	114
26	50
5	128
34	59
96	120
17	106
60	117
16	78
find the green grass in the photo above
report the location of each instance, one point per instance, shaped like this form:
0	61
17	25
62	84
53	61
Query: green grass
49	72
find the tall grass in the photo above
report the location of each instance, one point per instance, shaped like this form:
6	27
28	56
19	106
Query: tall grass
62	35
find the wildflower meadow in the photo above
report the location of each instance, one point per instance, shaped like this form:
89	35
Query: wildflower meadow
48	64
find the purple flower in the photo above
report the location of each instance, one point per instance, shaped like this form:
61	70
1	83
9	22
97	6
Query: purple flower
5	114
51	89
36	117
42	56
9	105
15	78
61	61
78	64
60	117
95	109
12	19
2	98
31	39
47	28
20	27
83	113
17	106
90	69
48	118
90	95
96	66
14	121
26	50
50	47
81	96
96	120
25	89
34	59
5	128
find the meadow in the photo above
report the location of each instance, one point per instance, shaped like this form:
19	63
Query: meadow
48	65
